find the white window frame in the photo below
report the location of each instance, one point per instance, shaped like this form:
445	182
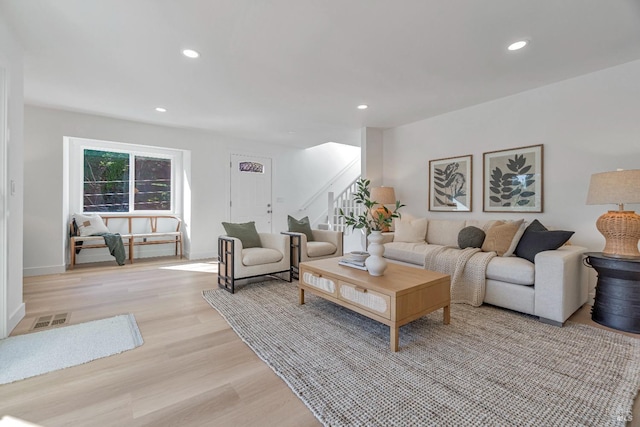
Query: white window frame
76	169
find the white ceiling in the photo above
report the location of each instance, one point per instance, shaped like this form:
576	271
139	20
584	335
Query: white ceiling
293	71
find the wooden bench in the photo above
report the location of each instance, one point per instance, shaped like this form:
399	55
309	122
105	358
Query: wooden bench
136	230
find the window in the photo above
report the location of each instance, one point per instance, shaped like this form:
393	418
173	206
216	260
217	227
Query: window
251	167
114	177
108	185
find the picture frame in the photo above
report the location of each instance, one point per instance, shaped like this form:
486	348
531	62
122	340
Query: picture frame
513	180
450	184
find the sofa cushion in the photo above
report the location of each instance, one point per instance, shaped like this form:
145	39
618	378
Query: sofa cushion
470	237
260	256
316	249
412	253
410	230
246	232
444	232
90	224
537	238
512	270
300	226
500	237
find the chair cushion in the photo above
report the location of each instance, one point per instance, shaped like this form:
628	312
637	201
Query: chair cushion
246	232
316	249
537	238
90	224
511	270
300	226
260	256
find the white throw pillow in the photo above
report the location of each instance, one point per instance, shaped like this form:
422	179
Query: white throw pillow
410	230
90	224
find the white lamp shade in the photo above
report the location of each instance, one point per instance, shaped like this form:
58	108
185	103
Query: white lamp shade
615	187
383	195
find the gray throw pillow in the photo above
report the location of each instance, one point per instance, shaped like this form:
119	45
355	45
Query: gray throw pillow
471	237
300	226
246	232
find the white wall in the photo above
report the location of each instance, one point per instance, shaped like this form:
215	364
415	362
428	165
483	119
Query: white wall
11	60
587	124
317	171
44	234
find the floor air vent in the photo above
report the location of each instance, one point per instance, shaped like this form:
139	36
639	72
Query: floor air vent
50	320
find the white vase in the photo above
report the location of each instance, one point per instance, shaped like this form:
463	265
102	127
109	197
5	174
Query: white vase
376	264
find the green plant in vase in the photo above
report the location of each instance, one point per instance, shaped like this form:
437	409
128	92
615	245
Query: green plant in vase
374	218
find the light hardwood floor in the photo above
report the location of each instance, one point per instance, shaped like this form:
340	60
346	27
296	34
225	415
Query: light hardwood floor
192	370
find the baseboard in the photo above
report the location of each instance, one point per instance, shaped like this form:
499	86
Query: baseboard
16	317
41	271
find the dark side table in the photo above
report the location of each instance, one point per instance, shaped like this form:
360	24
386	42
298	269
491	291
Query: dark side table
617	300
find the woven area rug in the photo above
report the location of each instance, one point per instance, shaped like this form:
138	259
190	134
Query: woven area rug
488	367
28	355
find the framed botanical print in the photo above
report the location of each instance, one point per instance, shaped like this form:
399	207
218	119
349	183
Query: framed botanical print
450	184
512	180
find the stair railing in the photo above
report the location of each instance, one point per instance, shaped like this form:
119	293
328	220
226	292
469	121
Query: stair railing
343	201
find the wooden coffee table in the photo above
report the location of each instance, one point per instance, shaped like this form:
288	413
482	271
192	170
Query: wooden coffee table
402	295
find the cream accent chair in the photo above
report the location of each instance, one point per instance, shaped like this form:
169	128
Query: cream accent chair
326	244
235	262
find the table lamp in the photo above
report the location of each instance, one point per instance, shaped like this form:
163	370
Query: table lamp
383	196
621	229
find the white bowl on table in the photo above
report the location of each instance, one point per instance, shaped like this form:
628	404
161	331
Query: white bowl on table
358	256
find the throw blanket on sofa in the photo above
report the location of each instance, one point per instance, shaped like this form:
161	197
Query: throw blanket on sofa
467	268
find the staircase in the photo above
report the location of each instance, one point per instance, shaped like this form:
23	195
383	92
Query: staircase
343	201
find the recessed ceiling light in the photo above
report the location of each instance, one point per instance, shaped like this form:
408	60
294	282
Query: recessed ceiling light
161	109
190	53
518	45
363	107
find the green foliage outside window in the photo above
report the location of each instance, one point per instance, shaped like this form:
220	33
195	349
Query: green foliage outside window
107	186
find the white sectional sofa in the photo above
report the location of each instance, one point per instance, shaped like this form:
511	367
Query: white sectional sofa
552	287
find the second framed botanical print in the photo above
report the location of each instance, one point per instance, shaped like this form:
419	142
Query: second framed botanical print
450	184
512	180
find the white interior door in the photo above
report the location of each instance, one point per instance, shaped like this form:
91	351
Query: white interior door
251	191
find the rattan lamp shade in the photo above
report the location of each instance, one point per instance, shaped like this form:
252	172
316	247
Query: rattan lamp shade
621	229
383	196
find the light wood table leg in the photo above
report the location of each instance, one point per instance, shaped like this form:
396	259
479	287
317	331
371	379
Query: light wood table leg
447	314
394	332
301	296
